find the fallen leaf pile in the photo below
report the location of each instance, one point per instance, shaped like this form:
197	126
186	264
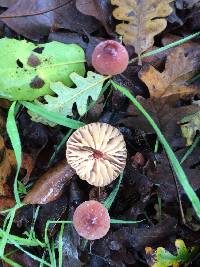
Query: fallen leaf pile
47	67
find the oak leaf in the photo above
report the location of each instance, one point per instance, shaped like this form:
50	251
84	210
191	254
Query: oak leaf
172	81
62	103
142	20
163	258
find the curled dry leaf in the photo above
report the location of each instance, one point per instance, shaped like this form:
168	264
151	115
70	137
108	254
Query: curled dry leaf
143	20
49	186
97	152
171	81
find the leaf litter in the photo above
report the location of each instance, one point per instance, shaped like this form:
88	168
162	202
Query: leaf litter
166	87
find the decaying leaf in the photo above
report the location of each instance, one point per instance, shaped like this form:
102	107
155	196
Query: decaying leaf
2	122
183	4
39	25
90	86
49	186
189	126
142	20
163	258
101	10
26	69
161	174
7	167
171	81
165	116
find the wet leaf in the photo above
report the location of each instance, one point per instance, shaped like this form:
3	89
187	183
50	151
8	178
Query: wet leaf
143	20
50	185
183	4
165	115
27	70
101	10
90	86
39	25
162	175
138	238
178	69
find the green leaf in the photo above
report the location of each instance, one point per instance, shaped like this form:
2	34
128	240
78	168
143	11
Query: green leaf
54	117
26	69
164	258
90	86
16	144
190	125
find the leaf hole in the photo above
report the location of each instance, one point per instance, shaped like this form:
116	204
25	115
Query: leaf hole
38	50
19	63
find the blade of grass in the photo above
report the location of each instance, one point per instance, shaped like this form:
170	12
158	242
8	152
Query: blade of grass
11	262
110	199
53	116
60	246
190	150
114	221
8	228
36	258
174	162
171	45
16	144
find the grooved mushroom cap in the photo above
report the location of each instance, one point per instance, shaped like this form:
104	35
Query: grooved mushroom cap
91	220
97	152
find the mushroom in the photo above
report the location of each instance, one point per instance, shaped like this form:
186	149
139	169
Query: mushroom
110	58
97	152
91	220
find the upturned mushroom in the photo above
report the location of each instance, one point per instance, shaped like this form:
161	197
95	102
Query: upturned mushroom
91	220
97	152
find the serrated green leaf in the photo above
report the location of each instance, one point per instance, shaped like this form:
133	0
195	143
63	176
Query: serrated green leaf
163	258
26	69
90	86
189	126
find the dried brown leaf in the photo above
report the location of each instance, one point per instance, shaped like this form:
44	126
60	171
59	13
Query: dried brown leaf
143	20
49	186
179	68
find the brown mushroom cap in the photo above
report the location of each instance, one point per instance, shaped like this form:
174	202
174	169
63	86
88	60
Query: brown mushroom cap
91	220
97	152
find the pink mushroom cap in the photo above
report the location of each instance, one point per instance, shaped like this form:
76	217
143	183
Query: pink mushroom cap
91	220
110	58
